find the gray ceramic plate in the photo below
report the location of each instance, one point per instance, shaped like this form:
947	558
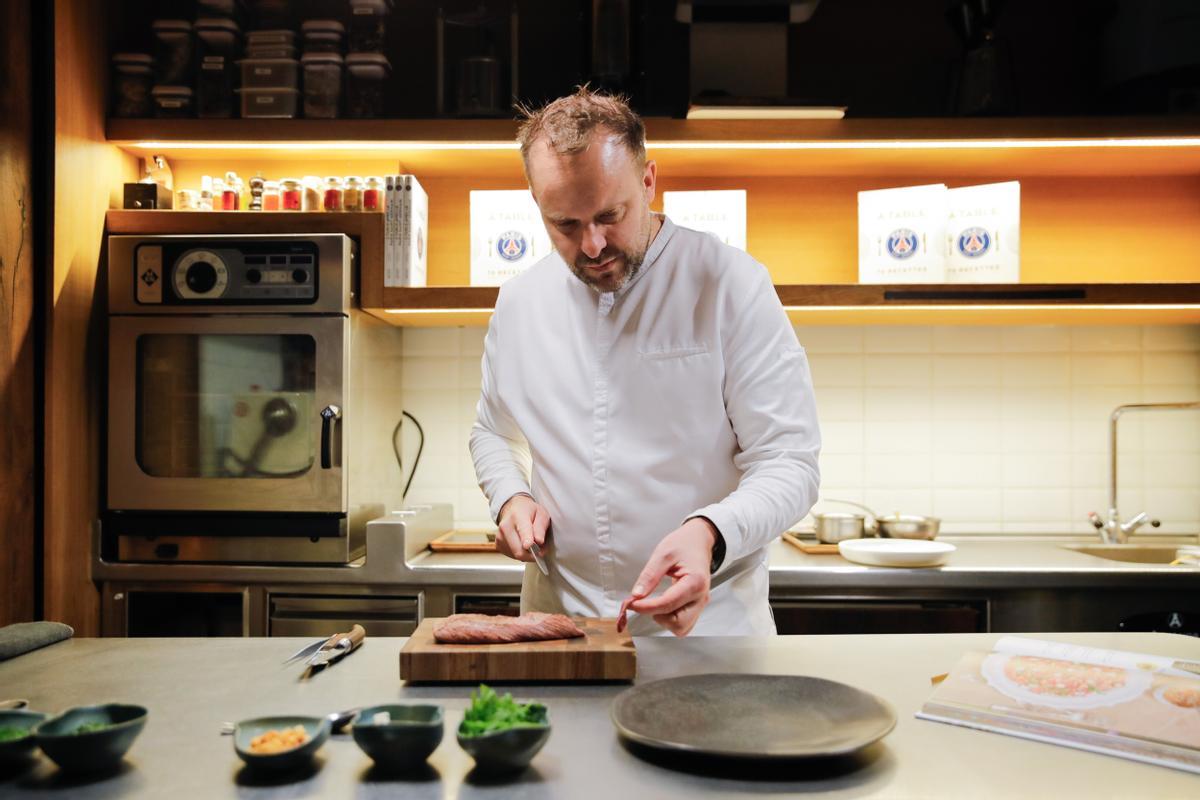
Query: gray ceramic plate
774	717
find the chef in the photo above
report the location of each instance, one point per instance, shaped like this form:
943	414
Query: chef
647	415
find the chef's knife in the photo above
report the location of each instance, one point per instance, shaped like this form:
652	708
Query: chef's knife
539	558
340	644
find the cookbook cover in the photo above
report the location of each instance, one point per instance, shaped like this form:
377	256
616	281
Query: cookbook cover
406	232
902	235
507	235
721	213
1131	705
983	233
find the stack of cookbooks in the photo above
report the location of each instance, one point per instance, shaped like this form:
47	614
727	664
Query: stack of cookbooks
1136	706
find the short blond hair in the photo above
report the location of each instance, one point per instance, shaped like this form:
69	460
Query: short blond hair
567	124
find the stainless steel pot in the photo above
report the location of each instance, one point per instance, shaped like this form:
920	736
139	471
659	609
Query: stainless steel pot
839	526
892	526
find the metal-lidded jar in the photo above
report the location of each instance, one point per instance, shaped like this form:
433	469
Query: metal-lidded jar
352	194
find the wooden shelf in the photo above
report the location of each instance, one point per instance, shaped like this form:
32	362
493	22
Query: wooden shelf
825	304
884	148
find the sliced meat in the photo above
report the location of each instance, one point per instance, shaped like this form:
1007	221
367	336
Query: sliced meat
496	629
623	616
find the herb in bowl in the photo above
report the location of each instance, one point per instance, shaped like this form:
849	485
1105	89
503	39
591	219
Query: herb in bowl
11	734
491	713
91	727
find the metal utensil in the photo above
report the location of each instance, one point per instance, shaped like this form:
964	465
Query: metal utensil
838	526
13	705
309	649
538	558
337	721
342	645
898	526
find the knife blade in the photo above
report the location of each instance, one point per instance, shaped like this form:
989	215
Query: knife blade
338	646
538	558
309	649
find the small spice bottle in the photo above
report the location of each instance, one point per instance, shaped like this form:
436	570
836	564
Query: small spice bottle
205	202
231	192
352	194
373	194
312	193
219	190
256	193
270	196
333	194
291	194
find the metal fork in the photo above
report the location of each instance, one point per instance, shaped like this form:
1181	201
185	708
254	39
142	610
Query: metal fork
337	721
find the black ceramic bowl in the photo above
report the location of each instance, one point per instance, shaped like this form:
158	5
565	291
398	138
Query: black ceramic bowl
505	751
399	737
17	750
90	738
317	729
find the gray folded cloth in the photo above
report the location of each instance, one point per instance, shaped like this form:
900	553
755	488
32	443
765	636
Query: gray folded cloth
22	637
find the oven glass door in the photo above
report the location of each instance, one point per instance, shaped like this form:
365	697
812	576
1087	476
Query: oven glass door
227	413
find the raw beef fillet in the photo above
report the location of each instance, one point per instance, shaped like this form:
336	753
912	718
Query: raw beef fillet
495	629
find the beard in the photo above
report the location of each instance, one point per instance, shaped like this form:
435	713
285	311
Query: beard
628	262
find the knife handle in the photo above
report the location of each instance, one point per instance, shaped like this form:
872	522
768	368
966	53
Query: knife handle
356	636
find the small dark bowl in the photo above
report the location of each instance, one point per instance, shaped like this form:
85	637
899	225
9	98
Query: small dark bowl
404	742
505	751
16	750
90	751
317	729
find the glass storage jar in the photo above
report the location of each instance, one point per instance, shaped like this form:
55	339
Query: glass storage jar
368	25
291	194
172	102
366	84
322	85
173	51
271	200
373	194
352	194
132	79
332	197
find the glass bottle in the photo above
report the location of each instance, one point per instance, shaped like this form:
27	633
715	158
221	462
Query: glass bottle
271	197
291	194
352	194
333	194
373	194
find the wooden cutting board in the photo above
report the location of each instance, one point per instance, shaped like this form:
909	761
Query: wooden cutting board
812	548
601	655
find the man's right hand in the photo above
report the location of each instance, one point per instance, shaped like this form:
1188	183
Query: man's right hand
522	522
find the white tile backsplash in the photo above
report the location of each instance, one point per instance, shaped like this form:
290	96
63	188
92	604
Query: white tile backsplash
994	429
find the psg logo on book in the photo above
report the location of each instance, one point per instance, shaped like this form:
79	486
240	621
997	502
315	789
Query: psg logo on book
974	242
902	243
511	246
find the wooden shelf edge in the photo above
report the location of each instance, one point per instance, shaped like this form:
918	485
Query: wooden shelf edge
130	131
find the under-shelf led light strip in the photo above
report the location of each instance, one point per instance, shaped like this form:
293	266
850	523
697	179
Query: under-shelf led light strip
898	144
1100	307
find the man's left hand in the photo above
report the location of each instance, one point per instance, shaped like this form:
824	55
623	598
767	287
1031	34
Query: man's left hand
684	555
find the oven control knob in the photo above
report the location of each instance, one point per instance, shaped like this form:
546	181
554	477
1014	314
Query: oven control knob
299	275
201	277
253	275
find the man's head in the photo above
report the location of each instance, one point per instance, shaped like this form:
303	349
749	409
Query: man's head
585	159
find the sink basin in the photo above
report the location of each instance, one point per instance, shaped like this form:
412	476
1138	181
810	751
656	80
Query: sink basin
1135	553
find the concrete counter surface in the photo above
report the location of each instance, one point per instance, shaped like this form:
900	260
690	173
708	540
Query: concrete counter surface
191	685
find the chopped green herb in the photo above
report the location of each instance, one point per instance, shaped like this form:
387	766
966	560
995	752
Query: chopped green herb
91	727
489	713
11	734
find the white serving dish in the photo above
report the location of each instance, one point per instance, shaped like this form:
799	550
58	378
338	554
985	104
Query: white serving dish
895	552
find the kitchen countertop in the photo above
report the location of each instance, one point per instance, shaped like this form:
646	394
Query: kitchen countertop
192	685
981	562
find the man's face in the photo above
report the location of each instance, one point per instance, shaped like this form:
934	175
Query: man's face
596	206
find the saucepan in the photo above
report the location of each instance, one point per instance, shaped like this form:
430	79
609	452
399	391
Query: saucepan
887	526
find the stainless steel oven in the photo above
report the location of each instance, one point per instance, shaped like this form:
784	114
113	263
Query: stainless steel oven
238	410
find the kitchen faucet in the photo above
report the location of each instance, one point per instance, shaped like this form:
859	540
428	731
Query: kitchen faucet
1113	530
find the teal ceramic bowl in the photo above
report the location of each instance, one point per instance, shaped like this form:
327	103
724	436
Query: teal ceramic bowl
16	735
317	729
399	737
505	751
90	738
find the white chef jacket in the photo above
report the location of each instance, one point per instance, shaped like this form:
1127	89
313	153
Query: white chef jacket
683	394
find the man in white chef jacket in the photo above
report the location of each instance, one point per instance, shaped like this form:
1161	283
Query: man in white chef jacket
647	414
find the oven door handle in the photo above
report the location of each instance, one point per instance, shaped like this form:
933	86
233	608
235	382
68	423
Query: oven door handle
329	415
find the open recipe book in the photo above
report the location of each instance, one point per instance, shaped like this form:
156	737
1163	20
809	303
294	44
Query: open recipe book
1132	705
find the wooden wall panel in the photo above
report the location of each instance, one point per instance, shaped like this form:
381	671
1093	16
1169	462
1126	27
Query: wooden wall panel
87	179
17	444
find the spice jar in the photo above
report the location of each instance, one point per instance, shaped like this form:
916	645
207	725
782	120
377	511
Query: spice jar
352	194
291	194
231	195
270	196
373	194
312	193
205	201
187	200
333	194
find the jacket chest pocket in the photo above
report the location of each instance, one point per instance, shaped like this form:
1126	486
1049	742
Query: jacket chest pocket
679	389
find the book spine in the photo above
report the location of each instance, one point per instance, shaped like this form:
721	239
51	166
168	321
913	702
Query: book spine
406	254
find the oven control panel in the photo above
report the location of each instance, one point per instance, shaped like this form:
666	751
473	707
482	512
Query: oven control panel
227	272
